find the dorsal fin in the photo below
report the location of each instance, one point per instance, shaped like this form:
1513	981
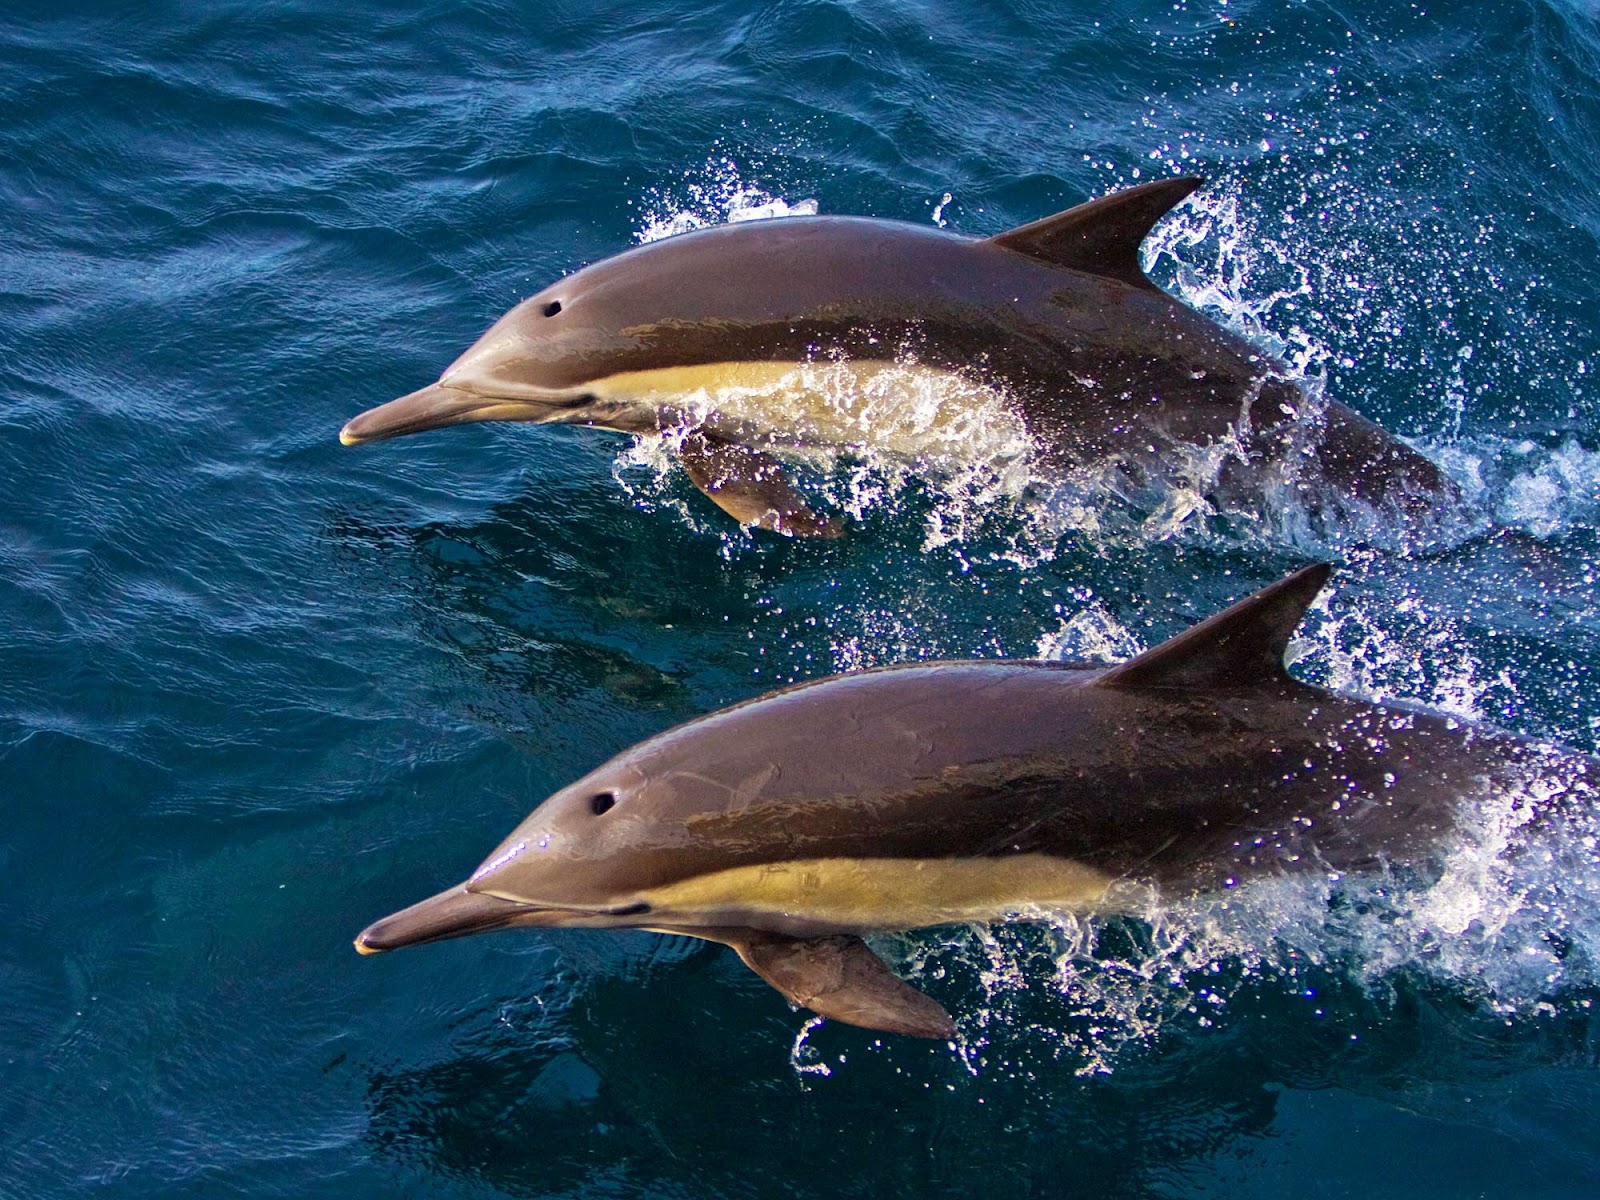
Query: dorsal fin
1103	236
1241	645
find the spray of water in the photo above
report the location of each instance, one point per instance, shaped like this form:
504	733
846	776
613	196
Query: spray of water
1504	917
908	425
715	193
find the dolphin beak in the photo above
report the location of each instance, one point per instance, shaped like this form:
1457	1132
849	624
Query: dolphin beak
438	405
454	913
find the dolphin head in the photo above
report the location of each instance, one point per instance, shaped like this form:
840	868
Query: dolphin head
530	366
674	303
584	858
732	789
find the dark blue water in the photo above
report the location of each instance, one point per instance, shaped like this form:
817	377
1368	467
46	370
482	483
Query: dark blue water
257	689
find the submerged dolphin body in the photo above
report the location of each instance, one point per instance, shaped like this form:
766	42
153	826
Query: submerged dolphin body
905	797
1055	322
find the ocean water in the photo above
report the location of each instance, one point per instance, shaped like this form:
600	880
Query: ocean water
257	689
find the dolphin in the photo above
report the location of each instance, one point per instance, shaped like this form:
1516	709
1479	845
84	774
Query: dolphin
714	338
904	797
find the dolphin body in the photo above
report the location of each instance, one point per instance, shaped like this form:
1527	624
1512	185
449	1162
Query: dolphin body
905	797
693	336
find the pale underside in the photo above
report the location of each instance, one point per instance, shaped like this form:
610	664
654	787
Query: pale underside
903	408
815	897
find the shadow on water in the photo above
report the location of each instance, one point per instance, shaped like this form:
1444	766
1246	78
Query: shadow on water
679	1077
576	602
546	604
577	584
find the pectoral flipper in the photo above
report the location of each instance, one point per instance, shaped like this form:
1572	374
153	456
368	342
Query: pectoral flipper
750	486
840	978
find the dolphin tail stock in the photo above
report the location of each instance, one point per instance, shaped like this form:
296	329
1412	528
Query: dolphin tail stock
838	977
1358	458
750	486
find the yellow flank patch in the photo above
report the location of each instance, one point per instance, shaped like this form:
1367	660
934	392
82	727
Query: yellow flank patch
900	407
883	893
667	383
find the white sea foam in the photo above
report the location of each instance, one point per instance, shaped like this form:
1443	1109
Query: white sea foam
1540	489
1505	917
714	193
1210	253
1508	919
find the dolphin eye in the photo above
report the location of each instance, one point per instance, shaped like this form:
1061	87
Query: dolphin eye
552	308
602	802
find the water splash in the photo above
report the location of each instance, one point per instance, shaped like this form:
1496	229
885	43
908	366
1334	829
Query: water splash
908	425
714	193
1400	296
1090	635
862	434
806	1059
1506	920
1214	258
1400	655
1226	261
